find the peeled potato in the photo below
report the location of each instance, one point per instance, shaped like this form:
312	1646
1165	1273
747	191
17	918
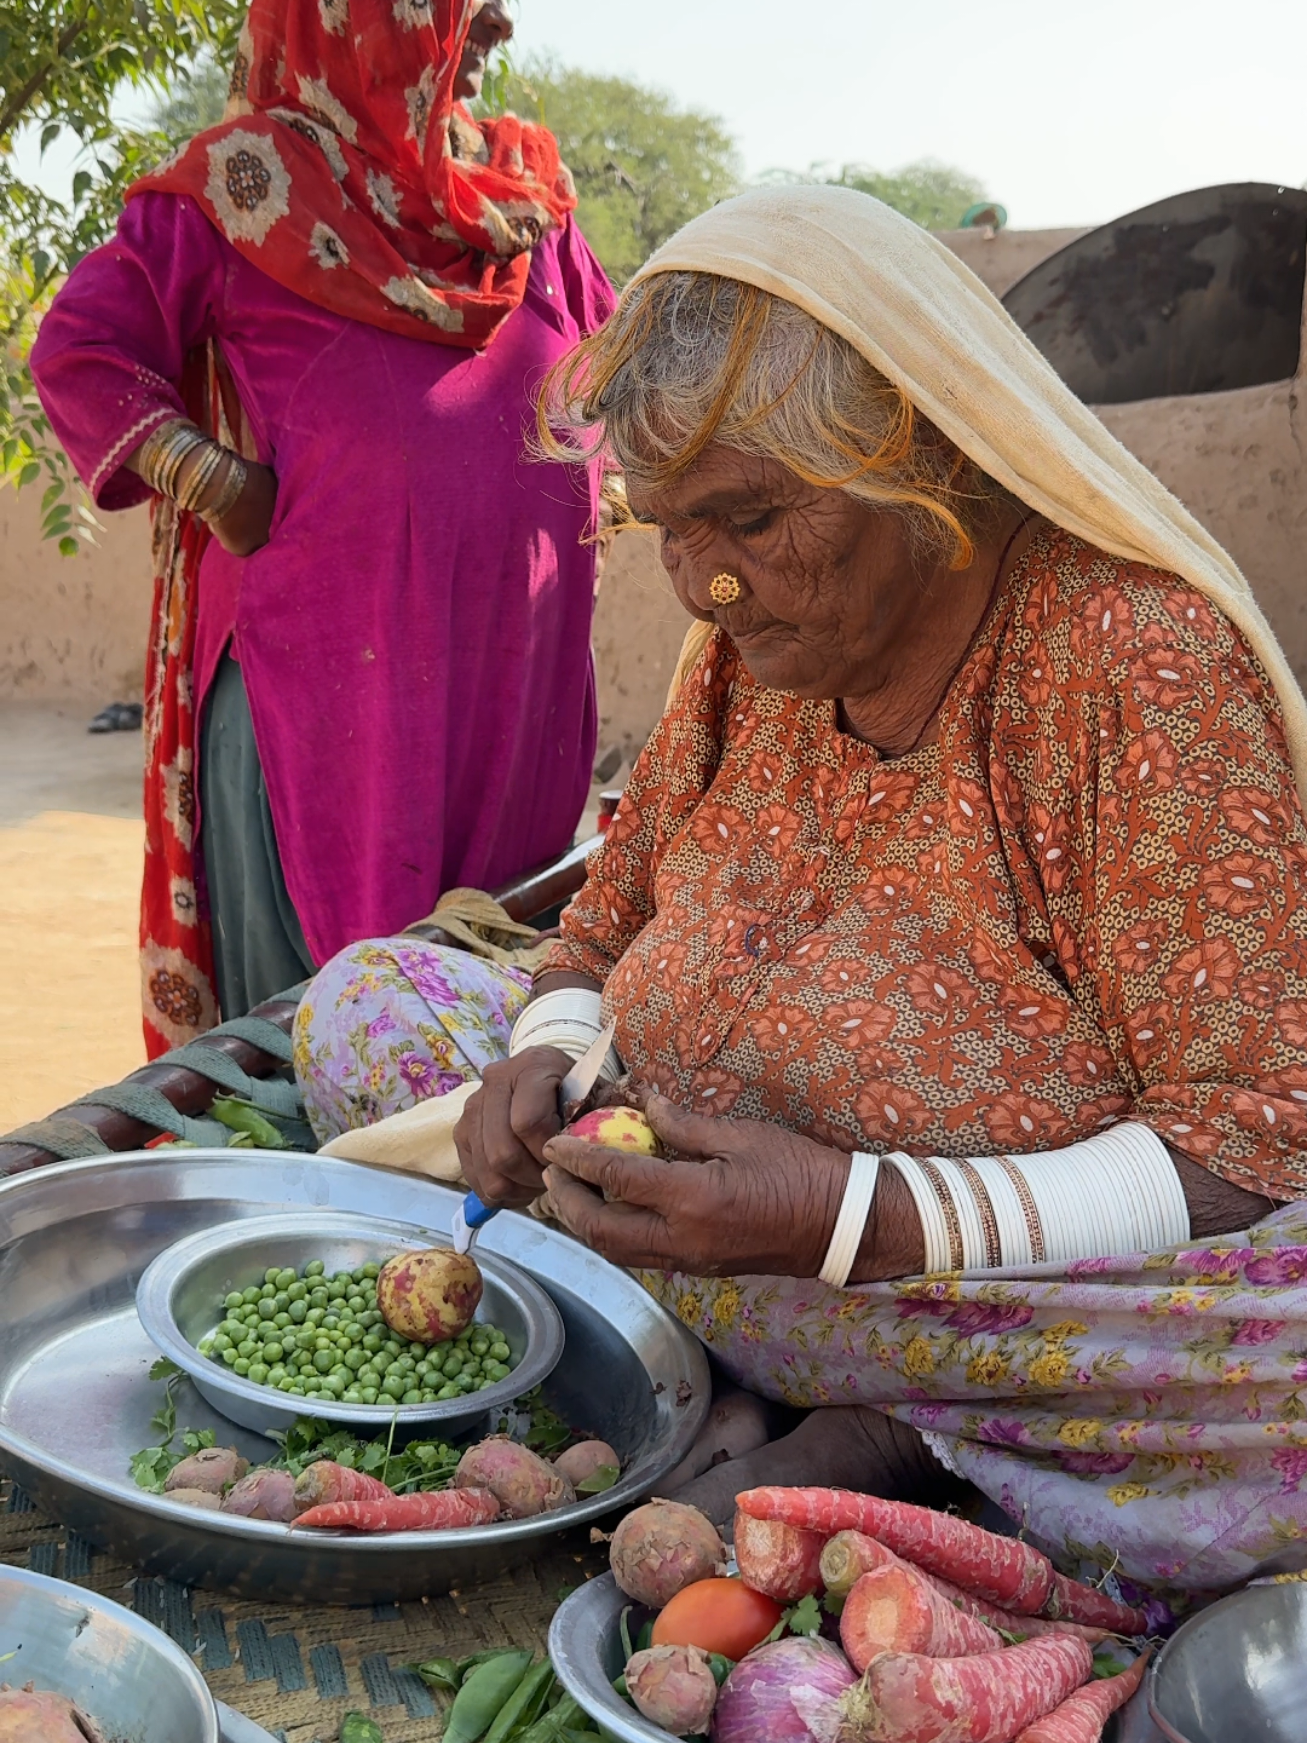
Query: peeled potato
617	1129
431	1296
30	1716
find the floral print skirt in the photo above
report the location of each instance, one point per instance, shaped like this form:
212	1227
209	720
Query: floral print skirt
1146	1414
392	1021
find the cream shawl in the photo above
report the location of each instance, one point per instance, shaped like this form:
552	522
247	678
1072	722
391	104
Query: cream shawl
922	318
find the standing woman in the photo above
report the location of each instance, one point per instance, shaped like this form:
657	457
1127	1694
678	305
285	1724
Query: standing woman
315	340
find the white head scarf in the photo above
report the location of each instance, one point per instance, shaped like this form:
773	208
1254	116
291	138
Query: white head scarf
926	322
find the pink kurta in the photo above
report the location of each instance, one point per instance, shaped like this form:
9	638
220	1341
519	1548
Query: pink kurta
414	638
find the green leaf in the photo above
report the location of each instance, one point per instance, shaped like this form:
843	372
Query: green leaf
50	132
83	181
804	1617
603	1478
164	1369
29	473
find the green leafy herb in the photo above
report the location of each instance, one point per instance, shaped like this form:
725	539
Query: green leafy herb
721	1666
603	1478
804	1617
151	1466
833	1603
426	1464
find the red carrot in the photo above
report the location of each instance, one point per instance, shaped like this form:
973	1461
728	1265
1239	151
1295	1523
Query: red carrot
1079	1603
1002	1569
325	1481
850	1554
897	1609
430	1510
777	1560
988	1698
1082	1715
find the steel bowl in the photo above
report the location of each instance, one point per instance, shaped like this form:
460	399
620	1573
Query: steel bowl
585	1644
180	1298
120	1670
76	1400
1236	1672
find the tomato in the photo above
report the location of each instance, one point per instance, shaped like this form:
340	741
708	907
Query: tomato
717	1615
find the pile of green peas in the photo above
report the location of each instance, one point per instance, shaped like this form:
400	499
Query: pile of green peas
322	1337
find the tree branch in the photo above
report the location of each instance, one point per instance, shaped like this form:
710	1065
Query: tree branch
15	105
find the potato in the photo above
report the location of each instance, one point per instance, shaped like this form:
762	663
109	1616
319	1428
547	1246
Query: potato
520	1481
263	1495
431	1296
214	1468
27	1716
617	1129
580	1462
196	1498
661	1547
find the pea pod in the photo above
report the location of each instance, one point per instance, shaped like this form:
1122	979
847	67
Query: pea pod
242	1116
440	1673
359	1728
478	1702
524	1705
555	1724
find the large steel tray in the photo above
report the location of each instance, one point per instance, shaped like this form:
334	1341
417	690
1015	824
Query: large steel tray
76	1400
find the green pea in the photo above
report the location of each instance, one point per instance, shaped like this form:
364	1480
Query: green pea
272	1350
330	1321
370	1270
314	1316
221	1342
368	1375
205	1346
258	1372
412	1396
232	1328
318	1298
369	1394
246	1347
284	1278
351	1395
500	1352
354	1360
234	1299
322	1361
297	1291
267	1309
276	1374
393	1347
372	1343
267	1292
241	1365
297	1312
272	1275
335	1385
450	1391
281	1301
250	1294
404	1364
393	1385
423	1371
314	1268
465	1383
480	1346
355	1299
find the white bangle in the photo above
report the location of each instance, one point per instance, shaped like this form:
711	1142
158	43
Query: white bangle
1117	1192
851	1223
569	1018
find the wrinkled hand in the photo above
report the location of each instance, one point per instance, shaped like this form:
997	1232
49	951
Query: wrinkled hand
245	526
751	1197
504	1127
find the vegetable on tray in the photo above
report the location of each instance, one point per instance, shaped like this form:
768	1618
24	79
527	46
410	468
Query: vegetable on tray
780	1560
1004	1570
523	1483
717	1615
673	1686
896	1609
333	1338
438	1510
661	1547
30	1714
786	1692
1082	1715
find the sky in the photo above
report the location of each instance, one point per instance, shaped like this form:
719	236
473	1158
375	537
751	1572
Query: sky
1069	114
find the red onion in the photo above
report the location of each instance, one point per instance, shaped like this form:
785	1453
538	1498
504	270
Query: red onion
787	1692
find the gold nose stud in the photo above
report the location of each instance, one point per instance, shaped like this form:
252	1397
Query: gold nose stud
724	589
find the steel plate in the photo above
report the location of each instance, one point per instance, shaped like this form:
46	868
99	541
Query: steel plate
76	1401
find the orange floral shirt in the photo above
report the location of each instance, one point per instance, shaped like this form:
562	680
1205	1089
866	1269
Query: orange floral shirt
1085	901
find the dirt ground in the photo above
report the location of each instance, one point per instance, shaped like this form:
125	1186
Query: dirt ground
70	874
70	869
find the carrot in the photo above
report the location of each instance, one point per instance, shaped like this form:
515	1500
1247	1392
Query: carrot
1082	1715
1079	1603
896	1609
1003	1569
988	1698
850	1554
325	1481
777	1560
847	1556
429	1510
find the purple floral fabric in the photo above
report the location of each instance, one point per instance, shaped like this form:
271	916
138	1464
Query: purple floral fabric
1146	1414
392	1021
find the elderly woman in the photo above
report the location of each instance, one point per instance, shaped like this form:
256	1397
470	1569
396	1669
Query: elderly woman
315	340
953	919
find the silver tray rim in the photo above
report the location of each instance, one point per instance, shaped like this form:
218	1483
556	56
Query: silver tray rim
378	1546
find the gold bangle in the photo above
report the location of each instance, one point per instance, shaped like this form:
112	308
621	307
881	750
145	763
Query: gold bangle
229	493
163	451
189	496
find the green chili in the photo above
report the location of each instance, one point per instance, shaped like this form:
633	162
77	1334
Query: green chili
358	1728
524	1706
241	1116
478	1702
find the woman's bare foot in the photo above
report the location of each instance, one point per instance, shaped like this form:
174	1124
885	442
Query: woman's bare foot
739	1423
854	1447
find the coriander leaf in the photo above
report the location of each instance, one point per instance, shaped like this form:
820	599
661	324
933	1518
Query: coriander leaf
804	1617
164	1369
151	1466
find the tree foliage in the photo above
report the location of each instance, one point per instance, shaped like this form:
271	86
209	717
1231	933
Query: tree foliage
643	166
934	195
61	64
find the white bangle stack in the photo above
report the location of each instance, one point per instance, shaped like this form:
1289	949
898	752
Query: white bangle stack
569	1018
851	1223
1117	1192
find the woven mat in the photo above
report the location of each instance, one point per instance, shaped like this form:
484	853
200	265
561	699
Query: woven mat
295	1671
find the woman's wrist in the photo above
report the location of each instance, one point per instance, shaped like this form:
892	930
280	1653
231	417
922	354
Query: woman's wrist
893	1244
